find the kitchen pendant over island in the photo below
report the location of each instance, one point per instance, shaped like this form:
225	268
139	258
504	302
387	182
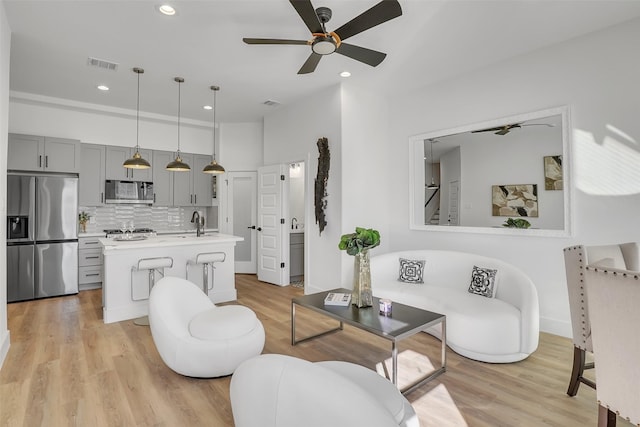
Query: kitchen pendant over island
126	285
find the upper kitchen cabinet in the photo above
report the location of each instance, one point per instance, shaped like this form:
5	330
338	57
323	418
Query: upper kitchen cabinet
192	188
92	175
115	158
162	178
40	153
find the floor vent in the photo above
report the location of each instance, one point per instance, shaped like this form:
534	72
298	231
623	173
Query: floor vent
101	63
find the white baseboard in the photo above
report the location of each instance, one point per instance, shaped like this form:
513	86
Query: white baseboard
5	343
556	327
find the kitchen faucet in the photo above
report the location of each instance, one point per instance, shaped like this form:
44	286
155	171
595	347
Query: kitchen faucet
292	222
195	217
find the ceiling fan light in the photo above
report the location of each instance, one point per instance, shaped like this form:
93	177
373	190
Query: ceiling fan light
136	162
323	45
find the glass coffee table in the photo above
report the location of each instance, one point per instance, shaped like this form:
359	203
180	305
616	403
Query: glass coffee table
404	322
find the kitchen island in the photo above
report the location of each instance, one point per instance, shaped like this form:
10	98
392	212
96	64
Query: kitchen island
125	289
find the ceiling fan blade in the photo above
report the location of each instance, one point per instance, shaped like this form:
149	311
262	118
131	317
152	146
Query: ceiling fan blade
362	54
488	130
272	41
310	64
378	14
308	14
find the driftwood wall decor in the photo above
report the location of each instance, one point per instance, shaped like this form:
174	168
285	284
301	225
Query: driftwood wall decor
320	187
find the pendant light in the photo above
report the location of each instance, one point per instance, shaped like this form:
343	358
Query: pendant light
214	167
137	162
433	185
178	165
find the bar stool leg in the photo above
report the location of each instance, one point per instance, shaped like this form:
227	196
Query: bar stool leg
144	320
205	278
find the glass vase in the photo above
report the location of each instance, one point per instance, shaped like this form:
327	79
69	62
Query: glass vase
362	296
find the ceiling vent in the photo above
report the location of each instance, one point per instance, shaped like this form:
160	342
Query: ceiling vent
101	63
271	103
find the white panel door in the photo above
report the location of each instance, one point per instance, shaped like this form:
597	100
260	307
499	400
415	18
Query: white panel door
241	201
272	232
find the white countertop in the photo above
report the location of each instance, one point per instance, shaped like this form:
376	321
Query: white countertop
188	239
158	232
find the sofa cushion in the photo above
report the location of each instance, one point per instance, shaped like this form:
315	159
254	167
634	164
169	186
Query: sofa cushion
224	322
483	281
411	271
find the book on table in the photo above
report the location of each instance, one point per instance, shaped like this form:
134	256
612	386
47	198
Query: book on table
338	298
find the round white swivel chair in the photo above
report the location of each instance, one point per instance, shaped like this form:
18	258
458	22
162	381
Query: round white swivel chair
275	390
195	337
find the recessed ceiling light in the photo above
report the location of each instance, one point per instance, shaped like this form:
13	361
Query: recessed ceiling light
345	74
103	87
208	107
165	9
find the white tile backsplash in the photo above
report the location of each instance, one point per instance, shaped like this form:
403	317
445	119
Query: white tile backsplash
155	217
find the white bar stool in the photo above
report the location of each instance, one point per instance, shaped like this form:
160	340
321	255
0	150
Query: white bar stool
207	259
153	265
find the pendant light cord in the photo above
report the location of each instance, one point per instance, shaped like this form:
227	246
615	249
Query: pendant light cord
179	83
138	116
215	108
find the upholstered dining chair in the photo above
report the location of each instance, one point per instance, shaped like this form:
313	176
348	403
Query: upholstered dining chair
614	301
576	258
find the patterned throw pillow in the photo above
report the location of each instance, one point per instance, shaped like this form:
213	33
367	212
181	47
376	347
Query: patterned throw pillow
483	282
411	271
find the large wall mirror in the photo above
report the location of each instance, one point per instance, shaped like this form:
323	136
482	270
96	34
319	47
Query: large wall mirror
483	177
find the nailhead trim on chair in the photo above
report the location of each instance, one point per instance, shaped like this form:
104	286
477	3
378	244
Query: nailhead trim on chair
582	266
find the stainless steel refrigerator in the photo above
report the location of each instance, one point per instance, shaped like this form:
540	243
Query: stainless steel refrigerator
42	240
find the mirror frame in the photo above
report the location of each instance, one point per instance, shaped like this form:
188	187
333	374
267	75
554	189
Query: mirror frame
567	185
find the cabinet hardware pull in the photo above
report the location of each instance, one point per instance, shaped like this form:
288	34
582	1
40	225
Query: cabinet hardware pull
195	199
101	197
39	161
46	161
93	274
154	197
91	243
92	257
191	198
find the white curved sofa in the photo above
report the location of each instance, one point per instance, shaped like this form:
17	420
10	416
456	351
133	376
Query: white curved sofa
502	329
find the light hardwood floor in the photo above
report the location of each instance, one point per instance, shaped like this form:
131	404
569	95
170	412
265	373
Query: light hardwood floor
67	368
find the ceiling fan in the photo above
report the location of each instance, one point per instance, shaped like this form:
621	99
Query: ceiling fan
324	42
503	130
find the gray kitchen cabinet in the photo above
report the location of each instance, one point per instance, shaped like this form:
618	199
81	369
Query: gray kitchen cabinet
182	195
193	188
39	153
296	256
92	175
90	263
162	178
116	156
202	182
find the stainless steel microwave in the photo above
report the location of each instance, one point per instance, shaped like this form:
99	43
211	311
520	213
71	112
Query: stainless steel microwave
128	192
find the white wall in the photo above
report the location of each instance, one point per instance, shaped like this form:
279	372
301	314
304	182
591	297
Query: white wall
365	168
240	146
596	76
290	134
95	124
5	47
